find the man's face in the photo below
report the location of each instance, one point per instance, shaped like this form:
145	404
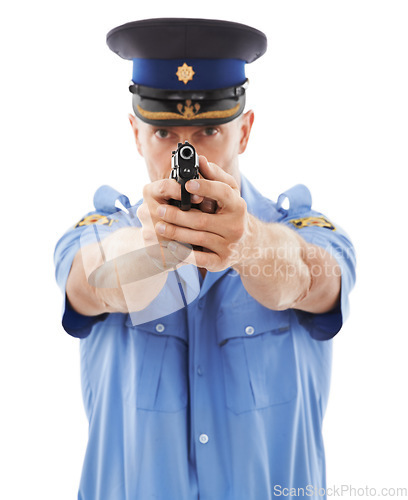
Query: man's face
220	144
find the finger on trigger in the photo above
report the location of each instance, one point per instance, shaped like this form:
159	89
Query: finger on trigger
195	198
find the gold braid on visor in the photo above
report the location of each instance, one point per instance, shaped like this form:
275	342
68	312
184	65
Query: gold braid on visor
187	112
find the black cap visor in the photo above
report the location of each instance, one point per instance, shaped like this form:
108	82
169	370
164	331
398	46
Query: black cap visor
187	112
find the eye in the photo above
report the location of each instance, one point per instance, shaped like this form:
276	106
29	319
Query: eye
162	133
210	131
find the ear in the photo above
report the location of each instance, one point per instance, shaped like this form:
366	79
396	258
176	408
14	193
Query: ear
135	128
247	119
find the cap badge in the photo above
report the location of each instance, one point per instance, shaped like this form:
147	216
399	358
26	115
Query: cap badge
185	73
188	111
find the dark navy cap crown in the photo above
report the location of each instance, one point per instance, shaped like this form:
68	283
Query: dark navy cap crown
187	71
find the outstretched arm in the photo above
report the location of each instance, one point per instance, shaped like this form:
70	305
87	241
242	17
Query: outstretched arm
278	268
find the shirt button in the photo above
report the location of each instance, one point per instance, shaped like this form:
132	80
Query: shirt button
203	438
249	330
200	303
199	370
159	328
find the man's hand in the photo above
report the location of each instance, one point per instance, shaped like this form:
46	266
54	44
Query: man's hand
217	232
159	193
281	278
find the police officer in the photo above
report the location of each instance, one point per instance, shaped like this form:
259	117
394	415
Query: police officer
209	385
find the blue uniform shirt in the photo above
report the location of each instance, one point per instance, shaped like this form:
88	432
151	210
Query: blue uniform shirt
222	399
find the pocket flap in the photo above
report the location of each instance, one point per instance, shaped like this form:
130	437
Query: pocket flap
174	325
249	319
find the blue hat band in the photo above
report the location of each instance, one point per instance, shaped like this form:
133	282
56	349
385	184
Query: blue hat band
188	74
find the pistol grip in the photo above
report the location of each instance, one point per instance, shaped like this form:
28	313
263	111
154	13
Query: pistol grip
185	198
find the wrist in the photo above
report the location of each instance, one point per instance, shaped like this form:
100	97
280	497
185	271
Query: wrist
246	251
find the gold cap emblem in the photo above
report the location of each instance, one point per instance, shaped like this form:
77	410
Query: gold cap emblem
185	73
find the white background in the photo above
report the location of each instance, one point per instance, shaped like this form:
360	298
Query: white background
330	98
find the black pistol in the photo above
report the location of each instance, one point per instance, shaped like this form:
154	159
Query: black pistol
184	167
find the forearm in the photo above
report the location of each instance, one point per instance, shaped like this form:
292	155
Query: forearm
86	299
112	291
281	270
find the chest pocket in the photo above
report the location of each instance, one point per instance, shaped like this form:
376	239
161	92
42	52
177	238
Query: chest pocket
161	365
258	356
